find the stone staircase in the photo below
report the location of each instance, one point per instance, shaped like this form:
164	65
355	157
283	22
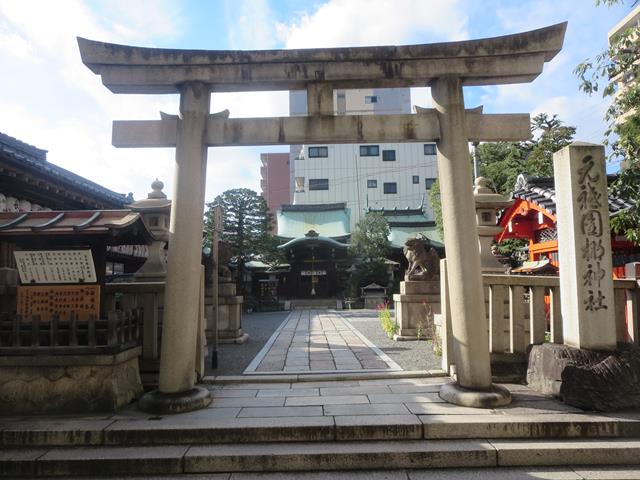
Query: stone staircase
221	439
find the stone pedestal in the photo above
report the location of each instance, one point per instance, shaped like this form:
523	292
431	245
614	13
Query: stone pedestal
415	306
590	379
229	313
69	383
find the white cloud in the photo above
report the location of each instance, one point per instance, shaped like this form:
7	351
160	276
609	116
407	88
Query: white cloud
252	104
234	167
250	25
16	45
344	23
74	122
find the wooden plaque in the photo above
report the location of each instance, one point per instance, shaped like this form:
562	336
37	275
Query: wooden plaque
46	301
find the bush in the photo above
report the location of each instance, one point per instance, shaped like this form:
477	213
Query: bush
388	324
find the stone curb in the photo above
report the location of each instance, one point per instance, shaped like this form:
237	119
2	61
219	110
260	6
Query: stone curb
319	429
311	377
282	457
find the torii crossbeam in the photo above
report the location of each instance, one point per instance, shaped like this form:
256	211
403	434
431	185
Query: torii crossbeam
445	67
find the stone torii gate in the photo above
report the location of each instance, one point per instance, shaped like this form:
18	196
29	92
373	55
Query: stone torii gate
445	67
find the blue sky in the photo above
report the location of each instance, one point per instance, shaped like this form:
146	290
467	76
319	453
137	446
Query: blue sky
50	99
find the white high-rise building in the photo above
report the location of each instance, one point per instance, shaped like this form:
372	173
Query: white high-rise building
387	175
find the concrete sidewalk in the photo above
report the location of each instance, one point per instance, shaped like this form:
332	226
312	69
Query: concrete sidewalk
319	341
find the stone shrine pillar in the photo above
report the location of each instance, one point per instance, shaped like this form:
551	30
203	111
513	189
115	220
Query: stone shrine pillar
229	313
584	247
469	321
176	392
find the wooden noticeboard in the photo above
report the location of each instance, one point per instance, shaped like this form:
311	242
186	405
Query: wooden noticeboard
47	301
55	266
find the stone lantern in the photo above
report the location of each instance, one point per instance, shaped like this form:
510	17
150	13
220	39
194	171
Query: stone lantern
488	203
155	211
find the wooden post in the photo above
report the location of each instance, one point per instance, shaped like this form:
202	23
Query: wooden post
73	330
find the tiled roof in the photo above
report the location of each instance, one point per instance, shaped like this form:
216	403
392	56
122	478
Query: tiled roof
34	159
541	191
314	207
115	227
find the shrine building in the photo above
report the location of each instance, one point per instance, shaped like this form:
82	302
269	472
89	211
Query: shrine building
532	217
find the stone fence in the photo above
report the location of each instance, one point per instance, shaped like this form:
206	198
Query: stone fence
525	310
148	296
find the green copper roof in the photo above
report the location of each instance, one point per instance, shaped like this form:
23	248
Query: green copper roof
319	240
327	222
399	235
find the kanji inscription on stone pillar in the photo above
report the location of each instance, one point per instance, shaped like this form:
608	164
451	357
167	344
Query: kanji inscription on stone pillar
584	247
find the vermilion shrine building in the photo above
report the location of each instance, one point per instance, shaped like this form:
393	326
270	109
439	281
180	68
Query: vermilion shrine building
532	217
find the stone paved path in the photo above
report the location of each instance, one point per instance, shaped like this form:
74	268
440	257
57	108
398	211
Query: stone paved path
319	341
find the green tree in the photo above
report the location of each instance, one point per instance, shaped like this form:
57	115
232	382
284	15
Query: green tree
436	206
620	65
502	162
549	135
370	238
370	246
247	225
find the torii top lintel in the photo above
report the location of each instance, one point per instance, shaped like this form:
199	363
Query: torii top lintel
516	58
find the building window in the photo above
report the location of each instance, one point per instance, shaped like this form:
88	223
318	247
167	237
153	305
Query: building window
318	152
318	184
428	183
299	184
391	187
388	155
415	179
372	183
369	150
429	148
371	99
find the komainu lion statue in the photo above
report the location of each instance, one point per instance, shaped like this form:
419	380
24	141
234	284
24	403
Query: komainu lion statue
423	264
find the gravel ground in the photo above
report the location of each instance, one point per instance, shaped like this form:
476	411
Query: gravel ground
232	358
414	355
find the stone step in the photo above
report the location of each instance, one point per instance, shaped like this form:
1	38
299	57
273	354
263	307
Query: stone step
283	457
342	423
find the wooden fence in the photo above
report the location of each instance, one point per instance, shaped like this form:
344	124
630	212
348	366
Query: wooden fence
120	331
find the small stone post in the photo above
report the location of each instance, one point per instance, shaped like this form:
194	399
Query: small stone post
469	322
584	247
176	392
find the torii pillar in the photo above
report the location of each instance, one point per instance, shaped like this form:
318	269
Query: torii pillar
469	325
176	390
